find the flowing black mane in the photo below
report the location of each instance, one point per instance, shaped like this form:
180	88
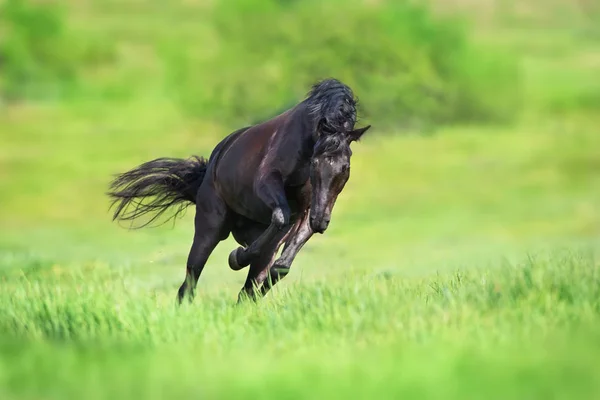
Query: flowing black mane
333	106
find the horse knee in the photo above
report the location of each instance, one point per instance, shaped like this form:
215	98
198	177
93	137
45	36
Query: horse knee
280	217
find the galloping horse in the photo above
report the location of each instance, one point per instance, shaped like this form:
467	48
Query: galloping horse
266	184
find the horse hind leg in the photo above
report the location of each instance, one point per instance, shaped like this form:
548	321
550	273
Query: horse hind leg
210	228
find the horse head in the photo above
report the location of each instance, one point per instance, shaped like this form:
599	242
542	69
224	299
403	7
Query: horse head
329	172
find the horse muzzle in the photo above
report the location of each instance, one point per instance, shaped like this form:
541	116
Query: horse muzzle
319	225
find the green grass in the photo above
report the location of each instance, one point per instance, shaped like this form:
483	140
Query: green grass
462	263
528	329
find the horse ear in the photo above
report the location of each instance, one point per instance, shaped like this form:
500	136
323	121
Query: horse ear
356	134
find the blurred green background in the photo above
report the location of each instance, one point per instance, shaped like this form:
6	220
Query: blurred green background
462	256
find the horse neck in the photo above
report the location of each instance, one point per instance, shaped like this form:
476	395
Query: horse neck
311	133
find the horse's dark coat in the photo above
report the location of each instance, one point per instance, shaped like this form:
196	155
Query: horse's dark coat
269	183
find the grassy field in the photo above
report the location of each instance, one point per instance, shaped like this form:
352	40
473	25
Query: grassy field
460	263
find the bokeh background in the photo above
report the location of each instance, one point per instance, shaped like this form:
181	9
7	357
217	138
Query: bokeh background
471	220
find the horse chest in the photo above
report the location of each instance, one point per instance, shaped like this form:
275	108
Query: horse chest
298	177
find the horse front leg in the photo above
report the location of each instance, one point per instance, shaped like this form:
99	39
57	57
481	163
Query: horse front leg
271	191
293	245
259	268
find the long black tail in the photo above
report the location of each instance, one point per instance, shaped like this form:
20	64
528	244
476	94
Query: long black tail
156	186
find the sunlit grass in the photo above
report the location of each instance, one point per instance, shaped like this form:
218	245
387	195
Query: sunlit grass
362	335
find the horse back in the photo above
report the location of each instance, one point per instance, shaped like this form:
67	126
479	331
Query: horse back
246	149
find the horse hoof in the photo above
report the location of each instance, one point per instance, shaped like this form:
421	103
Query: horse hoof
233	259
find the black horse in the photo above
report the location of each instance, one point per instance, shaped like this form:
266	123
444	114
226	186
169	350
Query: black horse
266	184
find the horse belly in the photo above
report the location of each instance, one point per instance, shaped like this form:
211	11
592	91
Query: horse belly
236	188
243	201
